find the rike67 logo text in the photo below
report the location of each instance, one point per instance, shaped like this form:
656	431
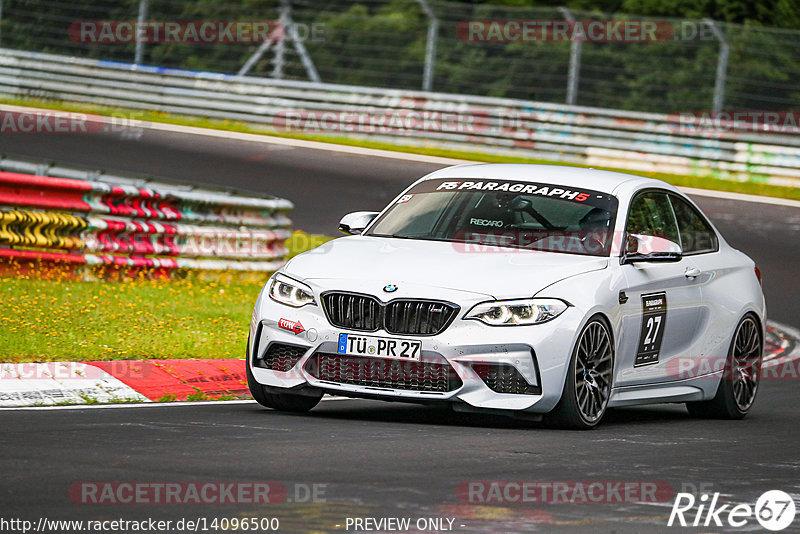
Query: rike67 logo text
774	510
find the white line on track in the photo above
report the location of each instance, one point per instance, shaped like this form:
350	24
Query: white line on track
742	197
374	152
143	405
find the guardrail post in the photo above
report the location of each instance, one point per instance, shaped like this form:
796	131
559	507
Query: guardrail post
574	61
722	66
140	34
430	46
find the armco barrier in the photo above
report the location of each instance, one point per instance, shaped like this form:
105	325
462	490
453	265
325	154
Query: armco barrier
591	136
150	225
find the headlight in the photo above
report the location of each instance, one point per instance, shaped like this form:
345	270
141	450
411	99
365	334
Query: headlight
290	292
517	312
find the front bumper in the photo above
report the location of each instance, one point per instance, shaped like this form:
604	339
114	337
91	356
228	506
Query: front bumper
468	350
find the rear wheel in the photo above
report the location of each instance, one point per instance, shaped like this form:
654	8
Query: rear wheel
587	387
286	402
739	384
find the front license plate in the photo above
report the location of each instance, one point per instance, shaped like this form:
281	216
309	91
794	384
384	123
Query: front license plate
383	347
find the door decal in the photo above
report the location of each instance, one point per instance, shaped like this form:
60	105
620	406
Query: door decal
654	319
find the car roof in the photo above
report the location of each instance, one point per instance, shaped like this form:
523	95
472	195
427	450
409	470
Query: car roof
578	177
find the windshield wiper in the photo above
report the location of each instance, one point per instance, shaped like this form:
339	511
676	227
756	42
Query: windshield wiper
415	237
396	236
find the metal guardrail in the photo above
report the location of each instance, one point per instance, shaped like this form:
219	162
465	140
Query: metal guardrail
575	134
129	222
688	64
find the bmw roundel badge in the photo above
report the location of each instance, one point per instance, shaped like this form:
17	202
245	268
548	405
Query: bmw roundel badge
391	288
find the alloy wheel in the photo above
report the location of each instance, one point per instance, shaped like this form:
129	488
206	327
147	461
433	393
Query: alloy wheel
593	370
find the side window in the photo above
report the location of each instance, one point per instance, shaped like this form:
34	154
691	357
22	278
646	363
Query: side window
651	214
697	236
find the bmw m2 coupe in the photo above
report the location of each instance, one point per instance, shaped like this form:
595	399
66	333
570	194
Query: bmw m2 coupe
538	291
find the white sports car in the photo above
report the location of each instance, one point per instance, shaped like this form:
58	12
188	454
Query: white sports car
529	290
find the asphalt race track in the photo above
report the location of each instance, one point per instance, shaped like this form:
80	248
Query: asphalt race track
382	459
374	459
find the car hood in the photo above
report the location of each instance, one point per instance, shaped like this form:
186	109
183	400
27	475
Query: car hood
369	263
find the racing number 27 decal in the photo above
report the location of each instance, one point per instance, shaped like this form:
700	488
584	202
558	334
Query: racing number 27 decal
654	319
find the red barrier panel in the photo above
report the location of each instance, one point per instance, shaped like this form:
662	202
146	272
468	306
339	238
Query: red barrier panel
43	182
43	192
33	255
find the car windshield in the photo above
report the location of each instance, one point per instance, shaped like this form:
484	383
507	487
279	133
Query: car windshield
502	213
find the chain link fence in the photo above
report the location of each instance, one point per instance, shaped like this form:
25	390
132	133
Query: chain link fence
431	45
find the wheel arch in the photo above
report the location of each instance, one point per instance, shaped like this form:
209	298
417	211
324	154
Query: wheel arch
592	314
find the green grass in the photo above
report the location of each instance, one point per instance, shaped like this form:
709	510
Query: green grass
62	319
197	396
701	182
67	320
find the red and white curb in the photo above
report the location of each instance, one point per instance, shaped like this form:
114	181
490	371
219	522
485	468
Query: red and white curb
27	384
135	381
782	350
47	384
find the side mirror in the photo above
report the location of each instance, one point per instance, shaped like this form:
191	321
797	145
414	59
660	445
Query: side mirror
648	248
355	223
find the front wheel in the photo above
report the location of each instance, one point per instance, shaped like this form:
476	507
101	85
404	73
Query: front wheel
587	387
286	402
739	383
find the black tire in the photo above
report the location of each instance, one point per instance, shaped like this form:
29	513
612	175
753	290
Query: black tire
285	402
587	387
739	384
